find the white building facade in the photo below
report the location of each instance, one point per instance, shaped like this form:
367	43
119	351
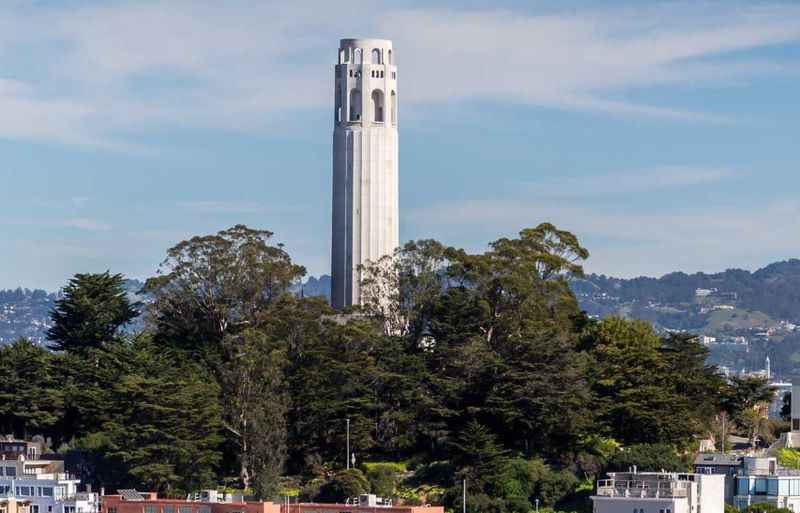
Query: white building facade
35	486
365	163
660	492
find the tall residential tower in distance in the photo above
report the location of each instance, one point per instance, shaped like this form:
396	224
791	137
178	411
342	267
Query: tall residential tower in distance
365	177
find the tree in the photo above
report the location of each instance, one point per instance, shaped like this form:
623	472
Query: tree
212	300
480	459
343	485
91	312
648	458
255	378
644	382
741	399
383	479
31	396
163	427
217	285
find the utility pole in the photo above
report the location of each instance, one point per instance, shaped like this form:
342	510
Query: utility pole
723	433
464	499
347	455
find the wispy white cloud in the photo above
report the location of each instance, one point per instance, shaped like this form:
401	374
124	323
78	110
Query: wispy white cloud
615	184
88	224
630	243
108	70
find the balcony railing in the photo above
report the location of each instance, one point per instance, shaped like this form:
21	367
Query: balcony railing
643	489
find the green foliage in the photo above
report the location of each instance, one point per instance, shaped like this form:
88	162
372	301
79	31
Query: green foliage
764	507
789	458
383	478
648	458
472	366
163	424
31	394
343	485
636	399
92	310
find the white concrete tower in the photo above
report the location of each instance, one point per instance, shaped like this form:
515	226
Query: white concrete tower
365	177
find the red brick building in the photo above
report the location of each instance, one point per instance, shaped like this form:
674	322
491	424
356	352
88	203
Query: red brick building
131	501
310	507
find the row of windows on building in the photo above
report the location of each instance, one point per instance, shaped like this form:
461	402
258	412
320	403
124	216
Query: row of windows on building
34	508
8	471
172	508
28	491
375	73
356	55
765	486
377	99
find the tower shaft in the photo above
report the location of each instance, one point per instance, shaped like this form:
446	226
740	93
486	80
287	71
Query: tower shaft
365	163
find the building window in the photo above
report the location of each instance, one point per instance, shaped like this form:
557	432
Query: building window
204	509
34	508
390	56
357	56
377	105
169	509
376	56
11	471
355	105
394	107
150	509
185	509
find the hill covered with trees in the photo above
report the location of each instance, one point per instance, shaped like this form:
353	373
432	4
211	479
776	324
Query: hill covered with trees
460	366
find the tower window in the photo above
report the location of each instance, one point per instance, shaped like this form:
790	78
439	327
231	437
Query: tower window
355	105
390	57
394	107
357	56
377	105
376	56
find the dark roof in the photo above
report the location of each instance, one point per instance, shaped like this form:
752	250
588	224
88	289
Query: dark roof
130	495
716	458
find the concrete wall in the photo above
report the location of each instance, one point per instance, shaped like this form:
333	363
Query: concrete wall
711	491
629	504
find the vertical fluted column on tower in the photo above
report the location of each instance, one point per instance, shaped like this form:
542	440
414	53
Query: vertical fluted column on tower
365	163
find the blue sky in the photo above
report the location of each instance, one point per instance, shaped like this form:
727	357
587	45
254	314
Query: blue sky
664	134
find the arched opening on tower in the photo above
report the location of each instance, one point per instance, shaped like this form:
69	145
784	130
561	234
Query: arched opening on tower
338	104
357	54
389	57
377	105
394	107
376	56
355	105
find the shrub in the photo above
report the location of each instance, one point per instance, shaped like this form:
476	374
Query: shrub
383	479
343	485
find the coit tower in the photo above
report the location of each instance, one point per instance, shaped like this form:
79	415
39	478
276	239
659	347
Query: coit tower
365	178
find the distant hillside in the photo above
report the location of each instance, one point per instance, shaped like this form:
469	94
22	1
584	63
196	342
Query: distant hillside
26	313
